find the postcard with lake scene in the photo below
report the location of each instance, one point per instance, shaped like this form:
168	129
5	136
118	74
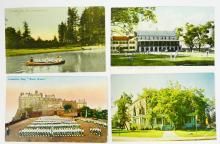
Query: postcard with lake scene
55	40
162	36
56	109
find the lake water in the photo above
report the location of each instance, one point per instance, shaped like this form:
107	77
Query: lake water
80	61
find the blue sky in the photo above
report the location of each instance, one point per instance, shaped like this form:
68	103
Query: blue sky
136	82
171	17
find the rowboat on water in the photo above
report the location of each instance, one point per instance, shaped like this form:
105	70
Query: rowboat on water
86	48
29	63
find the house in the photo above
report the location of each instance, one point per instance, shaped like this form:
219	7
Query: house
123	44
138	114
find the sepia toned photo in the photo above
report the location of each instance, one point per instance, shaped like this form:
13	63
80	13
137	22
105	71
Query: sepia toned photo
56	109
162	36
55	40
163	107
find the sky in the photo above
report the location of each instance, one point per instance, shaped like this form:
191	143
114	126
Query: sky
43	22
168	18
92	89
134	84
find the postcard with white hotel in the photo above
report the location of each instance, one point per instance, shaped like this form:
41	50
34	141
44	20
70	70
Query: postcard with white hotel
162	36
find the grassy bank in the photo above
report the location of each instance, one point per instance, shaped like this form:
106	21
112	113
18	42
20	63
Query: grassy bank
27	51
159	60
138	133
199	133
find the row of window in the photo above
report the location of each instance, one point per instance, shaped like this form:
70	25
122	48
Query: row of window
132	47
159	43
156	37
158	48
123	42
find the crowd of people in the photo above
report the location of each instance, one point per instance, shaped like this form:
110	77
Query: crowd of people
99	123
95	131
57	59
52	126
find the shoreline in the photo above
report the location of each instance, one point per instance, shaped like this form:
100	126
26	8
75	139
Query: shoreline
20	52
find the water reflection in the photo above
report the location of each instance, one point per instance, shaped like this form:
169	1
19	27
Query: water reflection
82	61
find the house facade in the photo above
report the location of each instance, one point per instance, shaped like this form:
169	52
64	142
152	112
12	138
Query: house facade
123	44
138	111
156	41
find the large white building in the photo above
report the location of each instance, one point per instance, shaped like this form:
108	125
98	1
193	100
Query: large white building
38	104
146	41
157	41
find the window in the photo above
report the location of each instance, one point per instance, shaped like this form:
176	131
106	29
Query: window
159	120
134	112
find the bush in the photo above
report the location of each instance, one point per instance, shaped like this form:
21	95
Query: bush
134	126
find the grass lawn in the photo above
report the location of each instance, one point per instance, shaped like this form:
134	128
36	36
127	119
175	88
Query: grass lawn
159	60
26	51
138	133
199	133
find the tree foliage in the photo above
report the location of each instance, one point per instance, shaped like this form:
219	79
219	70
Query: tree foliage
67	107
197	36
174	104
124	20
93	113
92	26
87	29
68	32
122	116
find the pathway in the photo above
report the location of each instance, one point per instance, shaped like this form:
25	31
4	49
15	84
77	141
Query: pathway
170	135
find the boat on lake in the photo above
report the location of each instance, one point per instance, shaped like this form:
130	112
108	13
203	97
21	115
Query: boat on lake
29	63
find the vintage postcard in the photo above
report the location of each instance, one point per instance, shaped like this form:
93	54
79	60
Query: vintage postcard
163	107
55	40
56	109
162	36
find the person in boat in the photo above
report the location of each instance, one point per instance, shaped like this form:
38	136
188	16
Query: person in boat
31	59
58	59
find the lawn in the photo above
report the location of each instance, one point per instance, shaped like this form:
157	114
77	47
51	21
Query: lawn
26	51
159	60
138	133
199	133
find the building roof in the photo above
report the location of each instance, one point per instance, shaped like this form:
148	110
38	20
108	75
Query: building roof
122	38
156	33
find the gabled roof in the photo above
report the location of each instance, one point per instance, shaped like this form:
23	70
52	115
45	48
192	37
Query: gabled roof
156	33
125	38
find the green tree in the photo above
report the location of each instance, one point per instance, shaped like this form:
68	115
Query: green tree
150	95
62	32
122	109
92	26
26	33
124	20
211	35
174	104
72	25
12	38
197	35
67	107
